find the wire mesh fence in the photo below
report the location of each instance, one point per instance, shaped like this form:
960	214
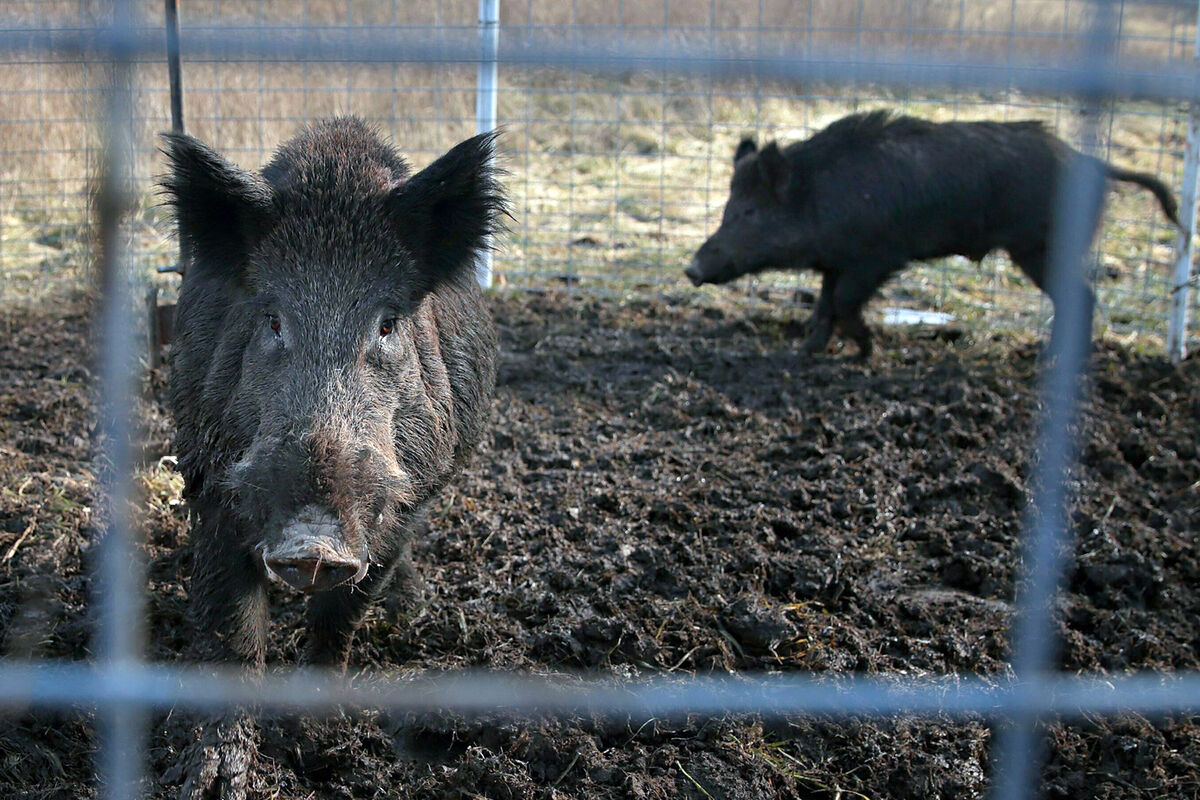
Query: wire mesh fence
619	125
618	175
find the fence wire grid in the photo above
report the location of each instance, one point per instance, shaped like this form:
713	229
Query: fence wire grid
618	171
620	121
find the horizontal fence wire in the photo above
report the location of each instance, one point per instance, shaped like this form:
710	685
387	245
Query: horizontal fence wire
474	693
1082	75
119	686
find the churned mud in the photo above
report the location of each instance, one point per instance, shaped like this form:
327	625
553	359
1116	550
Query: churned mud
670	487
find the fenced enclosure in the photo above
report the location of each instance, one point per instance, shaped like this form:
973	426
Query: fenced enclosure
617	175
619	128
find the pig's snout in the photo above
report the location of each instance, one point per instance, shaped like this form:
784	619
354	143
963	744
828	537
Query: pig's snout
311	554
709	264
313	574
694	273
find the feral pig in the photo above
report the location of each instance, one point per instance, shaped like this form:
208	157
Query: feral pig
872	191
332	370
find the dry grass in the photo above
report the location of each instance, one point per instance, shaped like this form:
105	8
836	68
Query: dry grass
615	180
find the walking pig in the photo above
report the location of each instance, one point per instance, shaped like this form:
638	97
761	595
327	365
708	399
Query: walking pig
872	192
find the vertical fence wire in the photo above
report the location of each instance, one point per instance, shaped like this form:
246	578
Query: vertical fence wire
1047	537
117	589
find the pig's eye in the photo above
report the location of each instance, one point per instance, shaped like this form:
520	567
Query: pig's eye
749	212
386	327
276	327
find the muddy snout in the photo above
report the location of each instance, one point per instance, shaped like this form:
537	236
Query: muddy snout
310	553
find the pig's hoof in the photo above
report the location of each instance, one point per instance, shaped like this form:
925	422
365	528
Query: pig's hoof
217	767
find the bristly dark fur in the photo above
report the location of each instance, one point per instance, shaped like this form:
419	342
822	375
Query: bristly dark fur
871	192
464	180
745	147
218	207
333	354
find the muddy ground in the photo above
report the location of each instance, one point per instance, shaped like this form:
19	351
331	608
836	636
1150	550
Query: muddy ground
669	487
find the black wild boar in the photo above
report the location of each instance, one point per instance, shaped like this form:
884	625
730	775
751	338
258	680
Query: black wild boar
332	370
871	192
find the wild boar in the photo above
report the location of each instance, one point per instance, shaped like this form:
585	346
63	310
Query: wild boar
873	191
332	371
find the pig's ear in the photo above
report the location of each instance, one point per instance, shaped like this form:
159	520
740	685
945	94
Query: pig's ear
775	169
221	209
447	212
745	147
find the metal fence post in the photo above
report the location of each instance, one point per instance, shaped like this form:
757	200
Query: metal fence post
485	99
174	70
1177	324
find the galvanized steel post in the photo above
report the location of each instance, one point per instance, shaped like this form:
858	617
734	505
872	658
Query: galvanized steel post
485	99
174	69
1177	323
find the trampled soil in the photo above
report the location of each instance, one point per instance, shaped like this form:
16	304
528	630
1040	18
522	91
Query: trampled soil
670	487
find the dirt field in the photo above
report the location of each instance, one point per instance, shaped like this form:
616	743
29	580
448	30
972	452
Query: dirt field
670	487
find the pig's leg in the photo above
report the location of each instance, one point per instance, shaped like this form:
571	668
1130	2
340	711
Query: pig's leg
821	323
1033	263
852	293
335	615
229	600
229	611
218	764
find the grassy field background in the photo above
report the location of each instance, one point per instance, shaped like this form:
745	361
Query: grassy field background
615	180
